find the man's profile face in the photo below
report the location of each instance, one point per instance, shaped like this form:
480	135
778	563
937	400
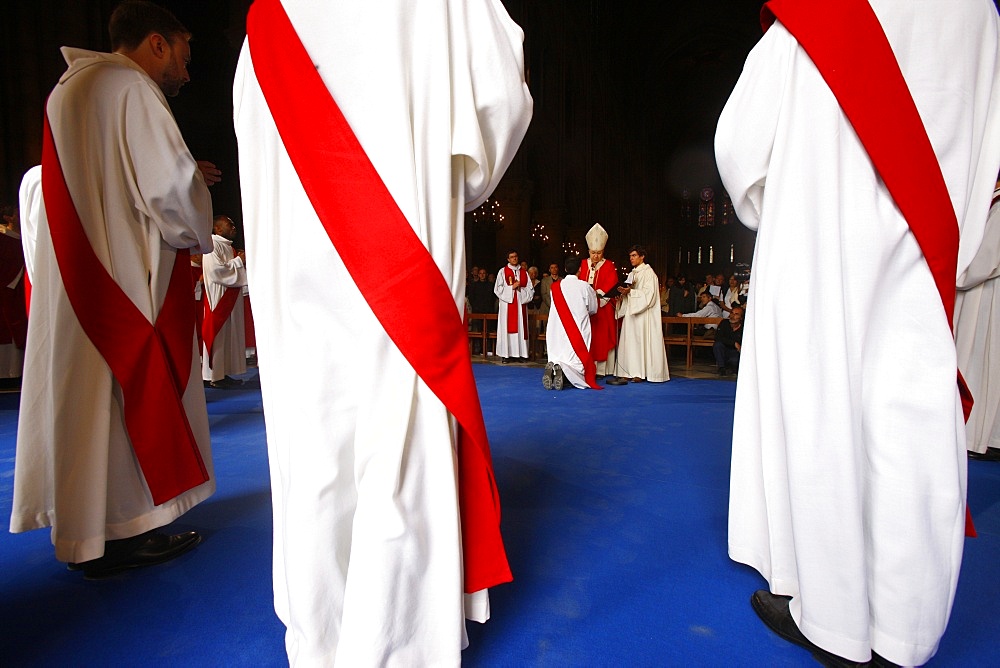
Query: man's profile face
512	259
596	256
704	298
553	270
226	228
635	258
175	73
736	316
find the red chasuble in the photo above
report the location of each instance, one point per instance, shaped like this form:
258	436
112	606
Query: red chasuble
354	207
213	320
151	362
871	91
603	328
512	307
574	336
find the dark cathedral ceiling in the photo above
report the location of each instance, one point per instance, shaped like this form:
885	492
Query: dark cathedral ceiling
626	100
627	96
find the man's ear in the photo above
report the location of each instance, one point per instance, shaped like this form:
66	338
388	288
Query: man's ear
158	44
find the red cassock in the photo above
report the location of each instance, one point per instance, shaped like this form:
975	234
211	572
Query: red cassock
13	315
604	333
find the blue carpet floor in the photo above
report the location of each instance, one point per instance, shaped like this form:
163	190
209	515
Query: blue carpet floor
615	523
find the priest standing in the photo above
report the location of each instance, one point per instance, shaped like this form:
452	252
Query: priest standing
977	338
514	291
882	121
600	273
372	126
113	437
223	274
641	352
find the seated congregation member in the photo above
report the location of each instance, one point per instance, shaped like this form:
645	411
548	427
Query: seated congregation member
568	333
386	518
224	275
481	300
641	353
707	308
728	341
514	290
546	288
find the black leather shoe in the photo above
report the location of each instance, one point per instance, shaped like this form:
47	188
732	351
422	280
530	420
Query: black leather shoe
146	549
227	383
991	455
773	611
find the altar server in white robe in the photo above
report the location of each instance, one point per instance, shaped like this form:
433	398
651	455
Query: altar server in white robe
641	352
140	197
581	300
849	467
977	338
30	200
368	559
514	292
222	270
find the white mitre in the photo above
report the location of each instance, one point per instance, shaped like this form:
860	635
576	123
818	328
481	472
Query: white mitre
597	238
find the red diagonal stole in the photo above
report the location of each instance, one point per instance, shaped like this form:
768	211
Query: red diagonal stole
574	336
513	307
847	44
215	319
151	363
355	207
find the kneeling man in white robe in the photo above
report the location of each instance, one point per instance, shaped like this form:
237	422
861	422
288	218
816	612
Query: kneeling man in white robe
568	332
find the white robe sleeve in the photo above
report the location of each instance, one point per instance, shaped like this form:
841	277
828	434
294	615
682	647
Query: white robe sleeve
492	87
745	135
526	294
30	201
504	292
643	296
170	189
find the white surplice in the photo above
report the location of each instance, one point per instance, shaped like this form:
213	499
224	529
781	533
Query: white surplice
30	200
221	270
977	336
582	302
849	467
512	344
141	197
641	352
367	545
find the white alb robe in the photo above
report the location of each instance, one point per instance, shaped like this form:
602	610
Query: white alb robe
641	352
30	200
367	545
849	467
512	344
582	302
221	270
977	337
140	196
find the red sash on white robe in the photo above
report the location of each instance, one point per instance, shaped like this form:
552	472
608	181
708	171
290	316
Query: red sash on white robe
213	320
575	337
512	307
345	190
870	88
152	363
